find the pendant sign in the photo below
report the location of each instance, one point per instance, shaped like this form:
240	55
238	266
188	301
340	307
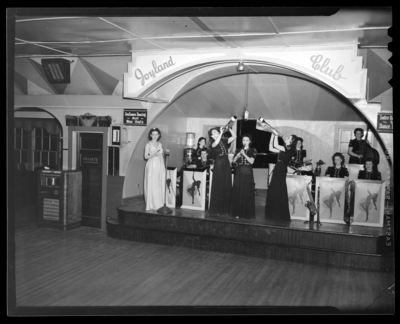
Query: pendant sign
135	117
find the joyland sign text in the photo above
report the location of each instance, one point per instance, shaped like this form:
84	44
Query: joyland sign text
139	75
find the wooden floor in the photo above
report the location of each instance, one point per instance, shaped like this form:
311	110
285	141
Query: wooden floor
84	267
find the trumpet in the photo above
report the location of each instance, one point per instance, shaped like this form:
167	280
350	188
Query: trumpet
229	124
264	126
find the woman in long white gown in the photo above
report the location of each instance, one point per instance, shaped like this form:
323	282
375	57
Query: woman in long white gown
154	176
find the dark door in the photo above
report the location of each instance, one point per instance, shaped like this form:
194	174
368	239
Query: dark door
90	153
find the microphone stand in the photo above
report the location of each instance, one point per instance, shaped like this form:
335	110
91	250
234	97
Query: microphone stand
164	209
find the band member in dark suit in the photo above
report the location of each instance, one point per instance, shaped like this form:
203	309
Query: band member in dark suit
356	146
203	161
338	170
370	172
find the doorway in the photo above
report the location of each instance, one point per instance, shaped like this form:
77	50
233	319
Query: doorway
90	162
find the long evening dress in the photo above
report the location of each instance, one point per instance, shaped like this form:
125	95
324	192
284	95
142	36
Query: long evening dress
277	206
154	179
221	187
243	199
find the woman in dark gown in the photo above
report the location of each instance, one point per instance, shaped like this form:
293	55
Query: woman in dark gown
221	187
243	199
277	206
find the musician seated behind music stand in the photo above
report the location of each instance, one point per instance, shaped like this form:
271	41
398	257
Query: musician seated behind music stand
301	154
338	170
202	160
370	171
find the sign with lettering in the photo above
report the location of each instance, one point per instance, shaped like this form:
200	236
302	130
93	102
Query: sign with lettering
90	160
385	122
338	66
135	117
325	68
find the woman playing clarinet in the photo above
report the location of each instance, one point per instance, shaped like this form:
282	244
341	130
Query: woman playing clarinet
277	207
221	187
243	199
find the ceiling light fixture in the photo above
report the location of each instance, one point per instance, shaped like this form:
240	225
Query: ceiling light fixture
240	67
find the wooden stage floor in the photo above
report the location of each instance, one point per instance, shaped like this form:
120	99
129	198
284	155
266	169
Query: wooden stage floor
333	245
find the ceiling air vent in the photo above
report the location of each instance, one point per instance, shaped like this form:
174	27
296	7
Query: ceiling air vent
57	70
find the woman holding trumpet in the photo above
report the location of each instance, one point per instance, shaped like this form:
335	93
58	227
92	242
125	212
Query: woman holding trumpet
277	207
221	187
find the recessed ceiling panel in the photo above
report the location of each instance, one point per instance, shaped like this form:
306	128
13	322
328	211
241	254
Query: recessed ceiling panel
108	48
322	38
237	25
344	19
68	30
23	49
191	43
158	26
375	38
257	41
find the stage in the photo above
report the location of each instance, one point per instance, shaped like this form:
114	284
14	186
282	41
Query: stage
332	245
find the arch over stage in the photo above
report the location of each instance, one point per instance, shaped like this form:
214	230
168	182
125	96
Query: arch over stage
185	80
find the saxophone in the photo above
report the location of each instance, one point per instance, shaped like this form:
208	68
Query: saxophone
310	203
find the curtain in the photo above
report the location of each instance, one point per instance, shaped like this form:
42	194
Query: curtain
51	126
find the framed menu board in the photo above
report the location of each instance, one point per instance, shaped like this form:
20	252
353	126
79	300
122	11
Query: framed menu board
135	117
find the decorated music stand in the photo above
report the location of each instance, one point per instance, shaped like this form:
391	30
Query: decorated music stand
297	195
194	189
331	199
369	202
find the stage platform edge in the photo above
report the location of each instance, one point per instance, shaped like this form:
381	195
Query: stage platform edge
330	245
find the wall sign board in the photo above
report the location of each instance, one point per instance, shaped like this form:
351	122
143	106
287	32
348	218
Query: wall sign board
385	122
135	117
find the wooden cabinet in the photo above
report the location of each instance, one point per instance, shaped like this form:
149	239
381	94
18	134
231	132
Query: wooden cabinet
59	202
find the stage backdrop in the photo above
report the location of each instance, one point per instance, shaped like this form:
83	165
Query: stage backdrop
331	199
